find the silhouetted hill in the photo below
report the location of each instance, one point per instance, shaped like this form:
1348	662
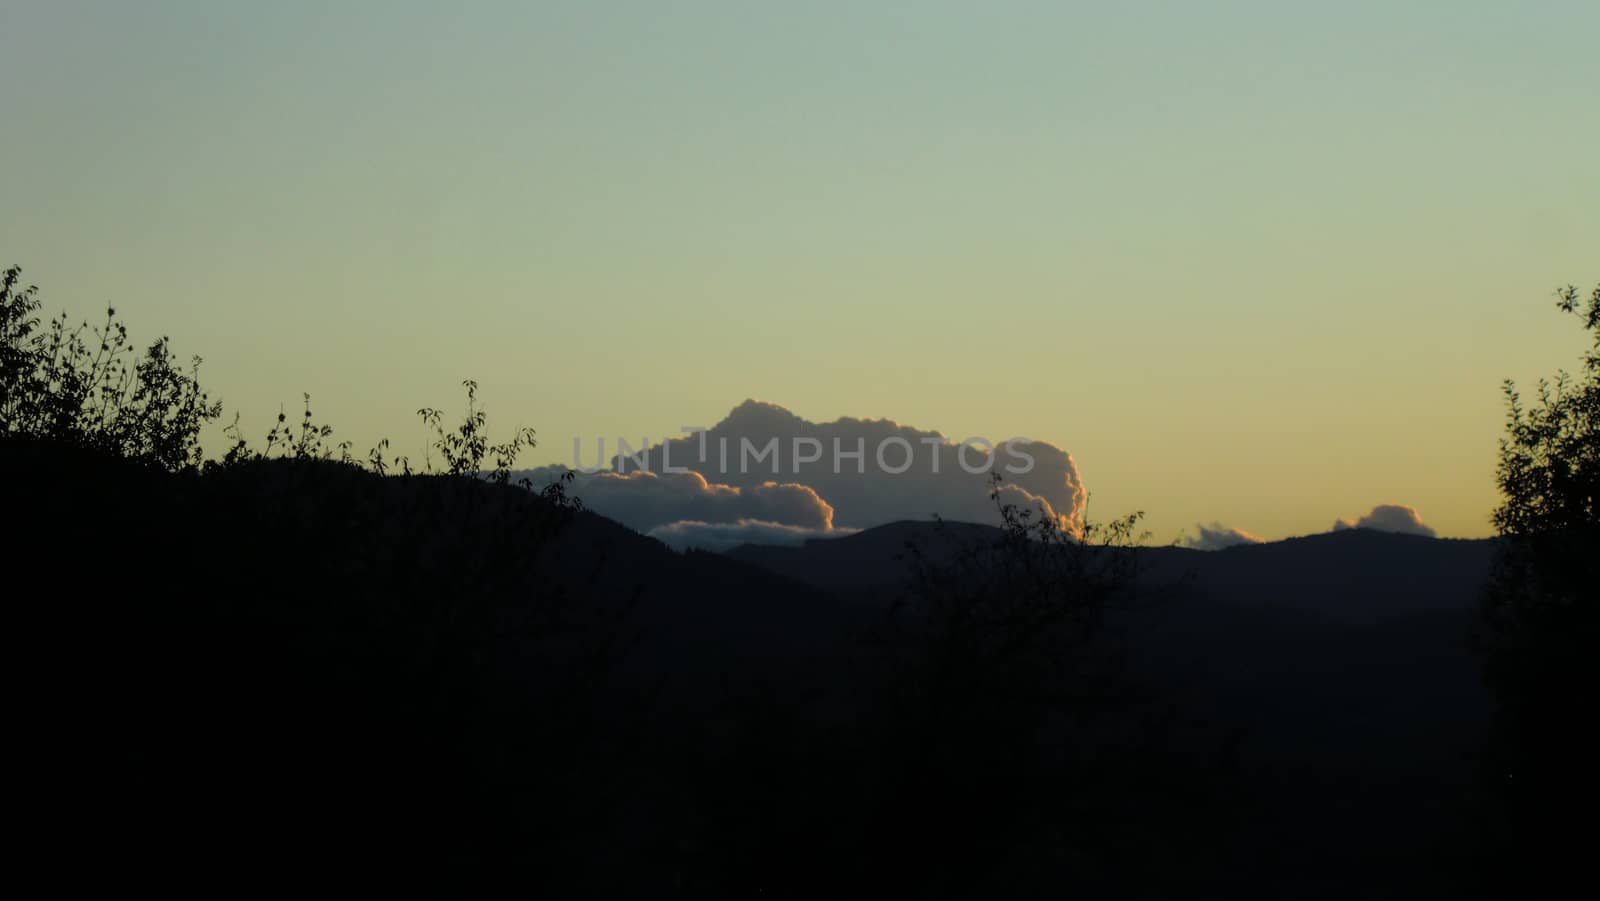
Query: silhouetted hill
863	562
1336	664
1351	576
1384	615
291	668
297	668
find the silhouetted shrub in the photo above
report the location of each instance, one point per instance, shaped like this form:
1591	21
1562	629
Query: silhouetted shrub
277	654
84	386
1540	621
1005	698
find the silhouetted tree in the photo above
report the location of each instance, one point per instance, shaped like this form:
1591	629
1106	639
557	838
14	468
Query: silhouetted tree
1001	685
332	666
1542	605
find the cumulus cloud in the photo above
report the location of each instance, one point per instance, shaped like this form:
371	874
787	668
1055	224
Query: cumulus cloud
1389	518
763	474
644	501
871	471
1216	536
720	536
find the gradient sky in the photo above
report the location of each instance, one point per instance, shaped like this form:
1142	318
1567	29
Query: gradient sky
1264	263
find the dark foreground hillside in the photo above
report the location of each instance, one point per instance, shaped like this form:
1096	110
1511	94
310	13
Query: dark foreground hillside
291	668
1336	668
294	671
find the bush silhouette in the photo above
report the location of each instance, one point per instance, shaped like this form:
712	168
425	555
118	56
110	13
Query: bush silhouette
1019	742
84	386
1538	625
284	652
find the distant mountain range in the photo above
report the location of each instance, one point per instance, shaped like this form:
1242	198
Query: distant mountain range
1340	663
1326	639
1350	576
1346	652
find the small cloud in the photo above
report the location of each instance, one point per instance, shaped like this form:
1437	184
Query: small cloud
720	536
1389	518
1216	536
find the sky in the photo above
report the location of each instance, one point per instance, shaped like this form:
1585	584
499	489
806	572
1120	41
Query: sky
1262	264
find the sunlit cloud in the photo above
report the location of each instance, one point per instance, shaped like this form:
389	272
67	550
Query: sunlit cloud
647	500
875	471
763	467
1389	518
1216	536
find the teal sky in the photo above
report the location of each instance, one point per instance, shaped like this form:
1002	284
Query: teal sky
1262	263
